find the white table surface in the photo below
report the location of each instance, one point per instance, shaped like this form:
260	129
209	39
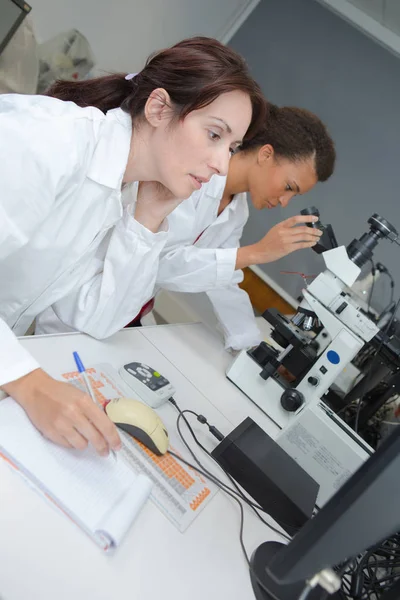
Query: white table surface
43	556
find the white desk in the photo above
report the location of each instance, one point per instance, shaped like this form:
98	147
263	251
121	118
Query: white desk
44	557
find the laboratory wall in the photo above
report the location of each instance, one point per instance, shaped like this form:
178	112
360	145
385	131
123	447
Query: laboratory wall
304	55
123	33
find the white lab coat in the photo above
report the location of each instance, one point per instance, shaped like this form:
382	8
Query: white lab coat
208	264
61	170
190	263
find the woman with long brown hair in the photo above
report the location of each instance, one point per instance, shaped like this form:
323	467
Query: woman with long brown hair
64	159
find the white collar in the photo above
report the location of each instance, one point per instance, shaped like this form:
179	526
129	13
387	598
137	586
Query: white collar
111	153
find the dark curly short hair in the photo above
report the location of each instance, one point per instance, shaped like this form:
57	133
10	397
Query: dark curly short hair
296	134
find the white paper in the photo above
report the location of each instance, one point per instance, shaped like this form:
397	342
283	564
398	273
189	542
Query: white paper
88	486
121	516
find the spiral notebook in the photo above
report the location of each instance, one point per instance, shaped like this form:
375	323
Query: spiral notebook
102	496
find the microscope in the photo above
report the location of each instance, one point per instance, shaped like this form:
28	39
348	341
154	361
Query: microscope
316	346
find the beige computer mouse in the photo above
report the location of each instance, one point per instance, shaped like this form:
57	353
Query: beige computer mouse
140	421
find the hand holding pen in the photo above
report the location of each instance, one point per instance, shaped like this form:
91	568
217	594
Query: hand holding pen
82	371
63	413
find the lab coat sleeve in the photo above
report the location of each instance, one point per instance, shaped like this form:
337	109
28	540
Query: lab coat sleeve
28	185
233	308
15	361
234	311
193	269
235	314
122	283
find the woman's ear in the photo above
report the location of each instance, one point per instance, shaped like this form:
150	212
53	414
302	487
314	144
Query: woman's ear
158	107
265	153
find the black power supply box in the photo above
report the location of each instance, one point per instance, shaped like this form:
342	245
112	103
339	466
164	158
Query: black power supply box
272	477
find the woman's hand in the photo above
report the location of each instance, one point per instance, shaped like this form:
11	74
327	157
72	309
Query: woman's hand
64	414
154	203
281	240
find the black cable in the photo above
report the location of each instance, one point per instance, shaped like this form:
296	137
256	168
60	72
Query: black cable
217	483
373	271
204	471
362	577
254	506
202	419
382	269
239	493
391	288
376	356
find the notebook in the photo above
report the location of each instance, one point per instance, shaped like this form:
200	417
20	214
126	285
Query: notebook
101	495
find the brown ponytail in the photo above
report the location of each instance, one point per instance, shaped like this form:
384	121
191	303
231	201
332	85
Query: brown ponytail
194	72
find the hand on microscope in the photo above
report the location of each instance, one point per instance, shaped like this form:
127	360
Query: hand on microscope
282	239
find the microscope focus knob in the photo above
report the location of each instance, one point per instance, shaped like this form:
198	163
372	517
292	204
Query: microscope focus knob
291	400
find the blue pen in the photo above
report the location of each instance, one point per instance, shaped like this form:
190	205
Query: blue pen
82	371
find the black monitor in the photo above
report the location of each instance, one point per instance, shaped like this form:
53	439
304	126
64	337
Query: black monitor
12	13
363	512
